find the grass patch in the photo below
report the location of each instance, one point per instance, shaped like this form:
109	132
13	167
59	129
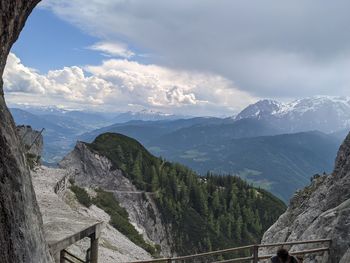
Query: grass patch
119	216
82	196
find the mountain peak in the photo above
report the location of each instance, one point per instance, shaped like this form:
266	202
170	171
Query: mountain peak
260	109
324	113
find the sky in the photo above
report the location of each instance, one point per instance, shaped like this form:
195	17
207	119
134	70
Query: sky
184	57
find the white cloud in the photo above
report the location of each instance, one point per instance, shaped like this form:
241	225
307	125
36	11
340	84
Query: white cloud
69	83
20	78
156	86
113	49
269	48
116	84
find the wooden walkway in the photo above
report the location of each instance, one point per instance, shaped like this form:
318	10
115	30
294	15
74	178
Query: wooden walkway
63	226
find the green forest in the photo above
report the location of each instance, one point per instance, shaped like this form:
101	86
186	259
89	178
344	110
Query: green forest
205	212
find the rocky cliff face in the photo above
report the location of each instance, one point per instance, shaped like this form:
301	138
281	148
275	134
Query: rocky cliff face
32	142
92	170
321	210
21	235
31	139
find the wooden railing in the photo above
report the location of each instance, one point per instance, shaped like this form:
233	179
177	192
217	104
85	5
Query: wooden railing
254	252
69	257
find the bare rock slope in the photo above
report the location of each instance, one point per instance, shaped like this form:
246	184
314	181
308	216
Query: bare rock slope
113	246
93	170
321	210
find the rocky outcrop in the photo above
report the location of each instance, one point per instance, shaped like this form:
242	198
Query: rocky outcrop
21	235
113	246
31	139
32	142
321	210
92	170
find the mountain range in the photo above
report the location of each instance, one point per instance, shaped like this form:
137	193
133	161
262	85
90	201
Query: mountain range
326	114
63	127
269	143
145	115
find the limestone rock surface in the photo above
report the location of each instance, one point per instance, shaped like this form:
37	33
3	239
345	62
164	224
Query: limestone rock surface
321	210
113	246
31	139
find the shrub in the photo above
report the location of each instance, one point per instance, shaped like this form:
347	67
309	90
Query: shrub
120	219
82	196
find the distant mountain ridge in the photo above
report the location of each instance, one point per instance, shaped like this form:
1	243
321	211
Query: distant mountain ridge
63	127
145	131
323	113
145	115
99	116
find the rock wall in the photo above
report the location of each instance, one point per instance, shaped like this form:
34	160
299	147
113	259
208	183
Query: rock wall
21	235
90	169
321	210
31	138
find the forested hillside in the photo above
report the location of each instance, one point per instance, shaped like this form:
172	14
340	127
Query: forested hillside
248	148
210	212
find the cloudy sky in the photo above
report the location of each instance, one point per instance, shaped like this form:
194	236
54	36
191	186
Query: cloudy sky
198	57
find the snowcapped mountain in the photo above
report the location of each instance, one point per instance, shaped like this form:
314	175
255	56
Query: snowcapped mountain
323	113
260	110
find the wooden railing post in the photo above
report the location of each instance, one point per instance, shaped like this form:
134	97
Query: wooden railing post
93	248
255	253
88	255
330	248
62	260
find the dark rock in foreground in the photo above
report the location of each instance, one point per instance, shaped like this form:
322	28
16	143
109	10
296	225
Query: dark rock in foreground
21	234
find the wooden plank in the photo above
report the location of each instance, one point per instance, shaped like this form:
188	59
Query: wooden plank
295	243
152	260
67	259
217	252
73	256
235	260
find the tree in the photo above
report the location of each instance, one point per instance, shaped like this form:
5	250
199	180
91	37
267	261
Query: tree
155	180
